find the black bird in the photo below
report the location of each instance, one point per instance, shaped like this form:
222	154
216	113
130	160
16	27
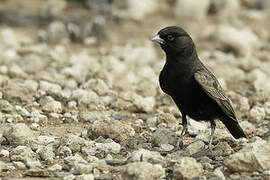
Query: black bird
193	88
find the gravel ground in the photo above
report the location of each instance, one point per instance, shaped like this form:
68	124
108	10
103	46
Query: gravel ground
79	88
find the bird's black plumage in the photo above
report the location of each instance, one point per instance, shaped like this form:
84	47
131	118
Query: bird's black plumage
193	88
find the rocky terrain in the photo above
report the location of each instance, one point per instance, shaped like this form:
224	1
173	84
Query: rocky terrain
79	93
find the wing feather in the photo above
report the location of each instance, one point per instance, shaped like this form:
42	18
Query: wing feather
211	86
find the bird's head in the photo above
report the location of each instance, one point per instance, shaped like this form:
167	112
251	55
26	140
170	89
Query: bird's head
174	40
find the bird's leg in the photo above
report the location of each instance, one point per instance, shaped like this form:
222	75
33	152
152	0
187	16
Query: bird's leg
213	127
183	132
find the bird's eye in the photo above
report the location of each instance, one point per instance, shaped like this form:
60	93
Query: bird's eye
170	37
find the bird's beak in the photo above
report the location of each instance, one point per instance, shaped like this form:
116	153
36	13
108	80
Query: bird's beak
156	38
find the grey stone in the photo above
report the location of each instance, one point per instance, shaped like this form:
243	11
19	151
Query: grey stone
163	136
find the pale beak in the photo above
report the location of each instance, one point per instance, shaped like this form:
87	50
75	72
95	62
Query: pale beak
157	39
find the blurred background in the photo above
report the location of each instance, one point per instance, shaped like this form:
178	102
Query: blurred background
72	66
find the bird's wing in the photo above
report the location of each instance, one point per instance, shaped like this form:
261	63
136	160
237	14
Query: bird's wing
211	86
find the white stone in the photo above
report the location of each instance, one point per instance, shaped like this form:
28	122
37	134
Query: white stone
22	111
55	167
19	165
85	97
49	87
4	153
243	41
196	127
35	126
85	177
144	171
248	127
48	104
257	113
138	10
192	9
45	140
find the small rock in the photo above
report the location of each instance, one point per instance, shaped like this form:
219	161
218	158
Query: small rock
257	113
187	168
82	169
17	94
22	111
248	127
147	156
152	122
110	147
35	126
69	177
223	149
218	173
113	129
75	143
266	107
57	32
98	85
167	118
196	127
4	153
48	104
85	97
5	106
64	151
50	88
252	157
31	85
19	165
194	147
145	104
139	11
143	171
85	177
240	40
16	71
55	168
183	8
22	153
46	154
92	116
19	134
163	136
45	140
76	159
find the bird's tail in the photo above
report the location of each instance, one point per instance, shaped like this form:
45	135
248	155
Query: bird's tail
234	128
